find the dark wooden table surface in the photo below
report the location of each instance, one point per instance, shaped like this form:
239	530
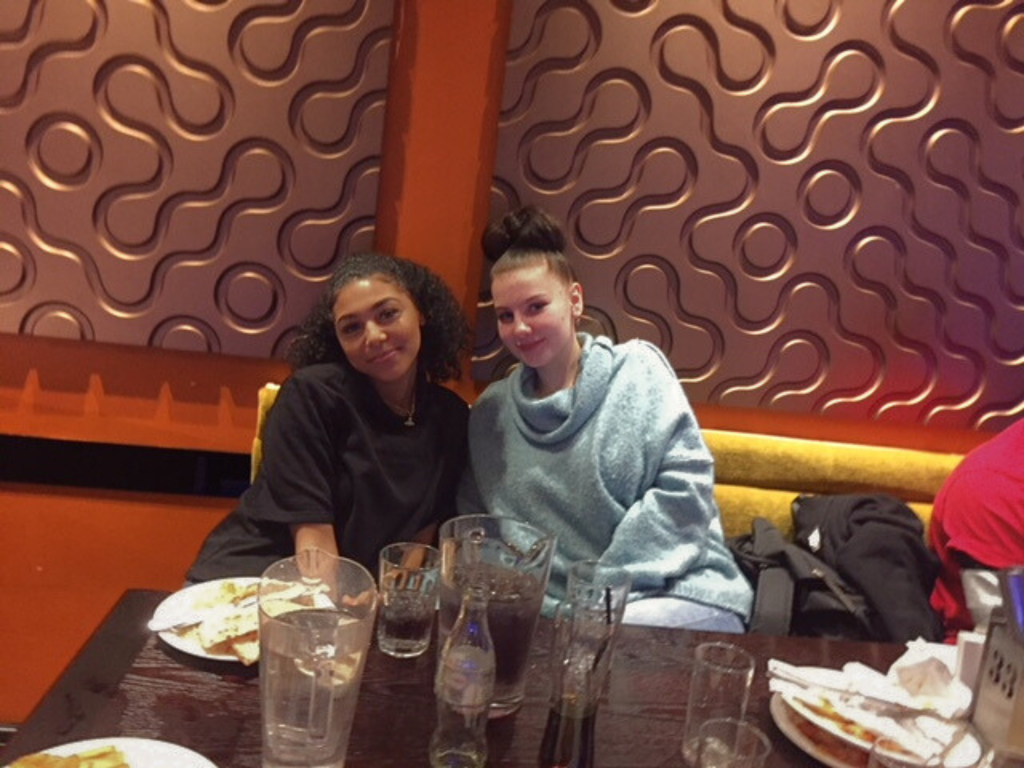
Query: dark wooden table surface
126	682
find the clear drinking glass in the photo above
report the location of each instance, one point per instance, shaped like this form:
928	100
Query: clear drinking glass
316	622
512	561
598	588
879	757
719	688
731	743
408	579
993	758
586	624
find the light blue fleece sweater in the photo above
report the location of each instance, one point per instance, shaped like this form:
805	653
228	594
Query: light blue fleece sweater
615	467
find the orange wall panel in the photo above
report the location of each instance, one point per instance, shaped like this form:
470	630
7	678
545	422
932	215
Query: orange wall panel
75	537
114	393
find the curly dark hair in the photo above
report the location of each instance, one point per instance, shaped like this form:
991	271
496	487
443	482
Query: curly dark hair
445	334
524	237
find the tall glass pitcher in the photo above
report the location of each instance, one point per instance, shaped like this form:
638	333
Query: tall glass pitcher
316	618
511	560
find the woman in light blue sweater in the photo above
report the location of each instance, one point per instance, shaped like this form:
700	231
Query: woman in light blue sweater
596	443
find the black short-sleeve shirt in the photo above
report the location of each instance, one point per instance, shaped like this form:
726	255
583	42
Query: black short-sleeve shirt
333	452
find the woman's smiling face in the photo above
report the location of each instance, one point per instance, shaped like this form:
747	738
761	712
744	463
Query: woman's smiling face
379	328
537	313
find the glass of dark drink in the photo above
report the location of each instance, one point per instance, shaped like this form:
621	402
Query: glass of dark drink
568	740
585	628
408	585
511	560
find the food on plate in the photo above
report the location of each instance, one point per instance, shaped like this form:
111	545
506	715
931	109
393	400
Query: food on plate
230	615
103	757
851	728
839	750
227	592
247	649
232	624
838	735
222	630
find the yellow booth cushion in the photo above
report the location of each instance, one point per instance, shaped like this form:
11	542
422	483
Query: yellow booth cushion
758	475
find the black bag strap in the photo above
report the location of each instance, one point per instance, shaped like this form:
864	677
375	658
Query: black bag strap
773	592
794	591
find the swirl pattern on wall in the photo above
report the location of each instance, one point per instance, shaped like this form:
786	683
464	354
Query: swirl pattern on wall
183	174
809	205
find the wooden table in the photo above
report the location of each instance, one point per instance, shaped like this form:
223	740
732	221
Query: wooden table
126	682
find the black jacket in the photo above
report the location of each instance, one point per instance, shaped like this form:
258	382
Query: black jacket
877	544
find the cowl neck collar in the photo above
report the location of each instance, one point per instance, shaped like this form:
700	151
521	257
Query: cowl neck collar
560	415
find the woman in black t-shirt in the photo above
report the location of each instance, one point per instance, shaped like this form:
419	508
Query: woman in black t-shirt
362	447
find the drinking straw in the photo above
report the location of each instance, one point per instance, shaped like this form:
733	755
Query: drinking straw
608	621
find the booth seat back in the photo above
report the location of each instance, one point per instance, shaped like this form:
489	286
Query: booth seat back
267	397
70	553
758	475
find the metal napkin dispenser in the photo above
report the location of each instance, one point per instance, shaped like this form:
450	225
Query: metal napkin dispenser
998	708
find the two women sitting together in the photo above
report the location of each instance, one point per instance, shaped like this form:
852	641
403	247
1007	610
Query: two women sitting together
591	441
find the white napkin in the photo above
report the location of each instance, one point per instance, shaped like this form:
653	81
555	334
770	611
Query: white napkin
920	680
925	671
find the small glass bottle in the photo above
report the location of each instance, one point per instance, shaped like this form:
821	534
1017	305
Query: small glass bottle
464	687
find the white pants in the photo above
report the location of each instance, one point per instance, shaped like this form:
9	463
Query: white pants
682	614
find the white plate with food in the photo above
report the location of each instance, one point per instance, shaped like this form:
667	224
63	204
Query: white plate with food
821	745
840	724
219	620
115	752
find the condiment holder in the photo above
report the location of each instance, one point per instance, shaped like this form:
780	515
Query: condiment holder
998	708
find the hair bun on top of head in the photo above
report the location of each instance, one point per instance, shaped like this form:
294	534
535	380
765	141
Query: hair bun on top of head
527	229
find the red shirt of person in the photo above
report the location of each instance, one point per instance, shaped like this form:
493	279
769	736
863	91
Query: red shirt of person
978	522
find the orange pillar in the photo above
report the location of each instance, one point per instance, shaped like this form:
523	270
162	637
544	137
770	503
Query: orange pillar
440	135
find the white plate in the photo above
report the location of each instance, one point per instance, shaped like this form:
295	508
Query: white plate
782	715
139	753
964	754
185	600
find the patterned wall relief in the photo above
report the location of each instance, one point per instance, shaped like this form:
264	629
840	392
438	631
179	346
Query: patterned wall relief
809	205
181	173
